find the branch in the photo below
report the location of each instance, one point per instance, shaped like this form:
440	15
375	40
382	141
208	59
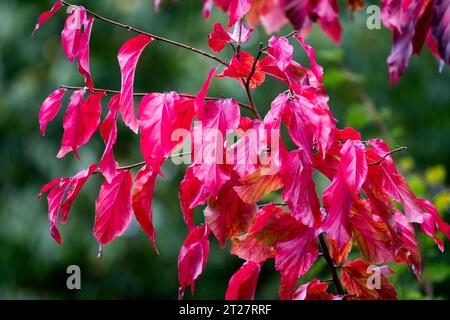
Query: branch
142	163
155	37
141	94
387	155
331	265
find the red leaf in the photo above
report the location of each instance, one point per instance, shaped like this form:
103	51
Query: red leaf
372	235
328	13
47	15
241	67
218	38
242	285
432	221
228	216
253	187
108	130
338	197
295	257
80	122
144	185
300	189
83	53
315	67
218	119
394	184
313	290
192	258
192	194
156	112
72	32
355	277
128	57
76	184
50	108
113	212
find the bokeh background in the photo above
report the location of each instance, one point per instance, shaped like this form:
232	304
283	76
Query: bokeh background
414	113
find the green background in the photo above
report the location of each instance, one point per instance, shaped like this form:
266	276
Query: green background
415	112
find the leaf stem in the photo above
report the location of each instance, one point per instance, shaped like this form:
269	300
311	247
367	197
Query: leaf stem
387	155
155	37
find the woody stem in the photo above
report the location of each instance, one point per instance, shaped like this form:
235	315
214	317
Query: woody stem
333	269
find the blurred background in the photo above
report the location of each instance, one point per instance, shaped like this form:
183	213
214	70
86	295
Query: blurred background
414	113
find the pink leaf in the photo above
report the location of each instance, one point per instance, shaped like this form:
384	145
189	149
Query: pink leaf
242	285
76	184
192	194
83	53
50	108
218	38
313	290
237	10
144	185
128	57
47	15
72	33
54	199
81	121
300	189
108	130
113	212
294	258
281	50
156	112
339	196
192	258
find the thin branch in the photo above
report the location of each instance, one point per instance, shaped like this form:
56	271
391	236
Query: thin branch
271	204
387	155
331	265
252	102
252	72
142	163
141	94
155	37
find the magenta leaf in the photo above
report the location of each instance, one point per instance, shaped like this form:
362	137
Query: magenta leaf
128	57
50	108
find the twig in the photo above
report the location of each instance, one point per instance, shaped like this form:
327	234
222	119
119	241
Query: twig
252	71
387	155
155	37
330	263
142	163
141	94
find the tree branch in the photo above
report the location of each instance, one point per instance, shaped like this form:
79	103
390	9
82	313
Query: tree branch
155	37
330	263
141	94
387	155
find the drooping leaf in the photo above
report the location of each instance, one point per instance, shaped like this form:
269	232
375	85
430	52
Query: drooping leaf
192	258
113	210
237	9
192	194
142	199
47	15
440	29
83	53
339	196
242	284
108	130
281	50
128	57
50	108
81	121
72	32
